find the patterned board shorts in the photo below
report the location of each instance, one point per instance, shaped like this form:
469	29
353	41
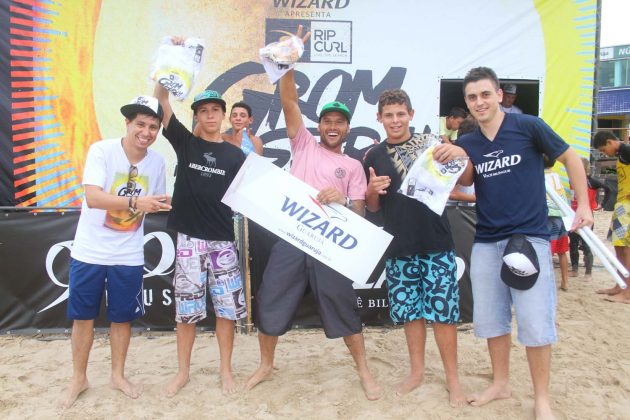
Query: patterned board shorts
202	265
423	287
619	234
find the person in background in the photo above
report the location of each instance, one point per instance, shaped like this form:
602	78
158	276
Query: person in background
576	243
559	236
509	97
464	195
449	125
607	143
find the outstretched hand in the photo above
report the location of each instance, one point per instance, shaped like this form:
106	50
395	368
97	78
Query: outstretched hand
298	34
444	153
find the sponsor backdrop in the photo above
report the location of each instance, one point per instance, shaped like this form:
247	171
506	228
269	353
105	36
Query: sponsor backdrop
35	251
67	67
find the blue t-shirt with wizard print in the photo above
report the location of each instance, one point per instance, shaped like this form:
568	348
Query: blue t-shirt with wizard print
509	177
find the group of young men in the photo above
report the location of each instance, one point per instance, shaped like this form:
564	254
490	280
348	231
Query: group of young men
505	163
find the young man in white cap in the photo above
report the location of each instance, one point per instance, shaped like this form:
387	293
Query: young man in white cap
206	260
289	271
122	181
506	156
509	97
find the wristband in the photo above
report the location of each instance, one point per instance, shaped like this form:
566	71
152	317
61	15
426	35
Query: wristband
348	202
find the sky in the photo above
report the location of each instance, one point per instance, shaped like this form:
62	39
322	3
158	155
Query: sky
615	29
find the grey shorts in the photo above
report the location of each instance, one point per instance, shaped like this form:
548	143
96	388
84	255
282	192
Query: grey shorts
203	265
535	308
288	273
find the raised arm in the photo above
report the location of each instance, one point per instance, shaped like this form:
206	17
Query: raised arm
289	95
162	96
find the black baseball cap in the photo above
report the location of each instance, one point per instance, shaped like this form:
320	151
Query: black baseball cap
143	105
520	263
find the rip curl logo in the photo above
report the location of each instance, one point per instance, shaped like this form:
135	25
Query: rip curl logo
163	267
340	173
494	154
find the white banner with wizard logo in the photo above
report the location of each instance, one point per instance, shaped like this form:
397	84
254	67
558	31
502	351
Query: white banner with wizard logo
288	207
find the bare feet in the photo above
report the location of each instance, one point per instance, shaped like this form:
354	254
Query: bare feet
564	288
371	388
227	384
456	396
493	392
573	273
408	384
126	387
612	291
72	393
262	374
542	410
619	298
587	276
177	383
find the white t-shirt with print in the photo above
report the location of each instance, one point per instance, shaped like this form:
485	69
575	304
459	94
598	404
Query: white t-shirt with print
116	237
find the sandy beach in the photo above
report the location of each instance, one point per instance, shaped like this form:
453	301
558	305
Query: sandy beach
315	377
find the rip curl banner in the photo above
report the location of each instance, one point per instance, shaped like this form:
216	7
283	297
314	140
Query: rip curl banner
332	234
66	67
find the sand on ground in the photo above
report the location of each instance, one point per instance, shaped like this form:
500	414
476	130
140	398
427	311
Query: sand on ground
315	377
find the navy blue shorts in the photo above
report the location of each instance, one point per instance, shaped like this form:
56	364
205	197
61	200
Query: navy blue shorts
124	291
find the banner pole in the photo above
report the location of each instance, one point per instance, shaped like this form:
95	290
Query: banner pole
247	279
596	245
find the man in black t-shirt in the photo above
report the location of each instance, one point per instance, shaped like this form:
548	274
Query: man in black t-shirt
206	255
420	268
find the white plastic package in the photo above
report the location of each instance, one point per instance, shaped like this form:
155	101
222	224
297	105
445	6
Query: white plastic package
176	66
430	182
279	57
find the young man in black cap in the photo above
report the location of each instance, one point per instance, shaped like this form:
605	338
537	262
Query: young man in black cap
206	254
506	156
340	179
122	181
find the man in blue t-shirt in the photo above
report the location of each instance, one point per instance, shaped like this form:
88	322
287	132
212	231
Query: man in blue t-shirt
506	155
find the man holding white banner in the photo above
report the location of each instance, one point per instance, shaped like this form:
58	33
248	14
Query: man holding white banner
339	179
507	156
420	267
